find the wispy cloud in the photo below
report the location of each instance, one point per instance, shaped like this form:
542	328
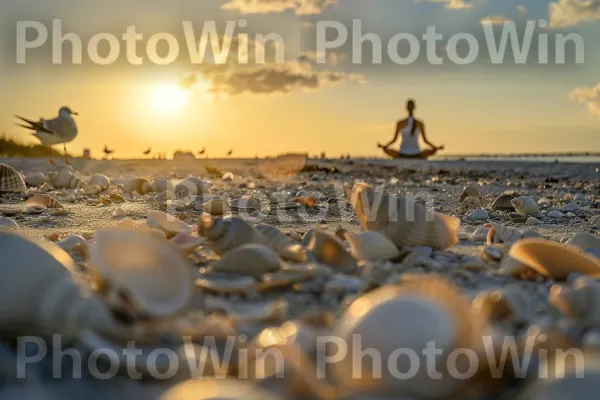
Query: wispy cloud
590	96
495	20
564	13
300	7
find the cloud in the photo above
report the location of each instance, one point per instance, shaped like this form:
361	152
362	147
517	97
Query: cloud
300	7
452	4
495	20
564	13
590	96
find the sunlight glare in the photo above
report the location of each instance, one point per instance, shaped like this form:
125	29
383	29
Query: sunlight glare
169	99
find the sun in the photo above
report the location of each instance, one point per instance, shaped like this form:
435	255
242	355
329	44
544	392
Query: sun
168	99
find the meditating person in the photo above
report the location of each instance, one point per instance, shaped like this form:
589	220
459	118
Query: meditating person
411	129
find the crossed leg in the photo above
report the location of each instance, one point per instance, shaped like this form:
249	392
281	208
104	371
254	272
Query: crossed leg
424	154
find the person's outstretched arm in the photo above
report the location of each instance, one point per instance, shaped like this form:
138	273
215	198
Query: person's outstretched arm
398	129
427	142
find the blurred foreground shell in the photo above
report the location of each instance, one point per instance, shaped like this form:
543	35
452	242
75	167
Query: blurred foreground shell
7	224
251	259
223	389
138	185
580	302
404	221
330	250
371	246
10	180
503	203
525	206
10	209
226	234
553	259
43	200
100	180
141	272
469	204
510	304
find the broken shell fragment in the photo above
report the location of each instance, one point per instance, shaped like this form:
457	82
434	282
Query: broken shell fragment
191	187
119	213
371	246
245	203
9	209
278	198
586	242
555	214
479	215
525	206
187	244
251	259
74	243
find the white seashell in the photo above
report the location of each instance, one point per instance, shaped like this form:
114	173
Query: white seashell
226	234
371	246
479	215
34	209
43	200
555	214
533	221
544	202
92	189
278	198
586	242
119	213
10	180
330	250
139	185
480	234
581	302
251	259
167	223
65	179
100	180
228	177
10	210
510	304
155	278
7	224
216	207
187	244
36	179
162	184
595	220
525	206
404	221
46	187
191	187
282	244
51	302
504	234
245	203
469	191
75	243
571	207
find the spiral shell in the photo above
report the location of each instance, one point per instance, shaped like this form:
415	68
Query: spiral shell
138	185
580	302
282	244
43	200
65	179
10	180
371	246
403	221
226	234
100	180
251	259
525	206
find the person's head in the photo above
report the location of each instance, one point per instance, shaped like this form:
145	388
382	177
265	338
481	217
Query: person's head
411	106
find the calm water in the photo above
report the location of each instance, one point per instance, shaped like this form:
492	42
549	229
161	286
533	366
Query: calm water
587	160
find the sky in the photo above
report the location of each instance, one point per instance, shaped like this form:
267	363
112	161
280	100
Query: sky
314	99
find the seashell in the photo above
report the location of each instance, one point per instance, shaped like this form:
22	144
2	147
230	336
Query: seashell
403	221
503	234
7	224
555	214
139	185
105	200
305	201
10	180
282	244
36	179
228	177
469	204
167	223
586	242
525	206
511	304
250	259
595	220
65	179
187	244
119	213
278	198
42	276
554	260
579	302
289	206
571	207
43	200
153	277
216	207
503	203
480	234
469	191
75	243
479	215
100	180
206	389
544	202
162	184
330	250
116	198
34	209
371	246
60	212
533	221
10	210
191	187
492	253
46	187
437	312
226	234
511	267
92	189
245	203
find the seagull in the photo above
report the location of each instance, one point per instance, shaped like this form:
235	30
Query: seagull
148	151
61	129
202	152
230	153
107	151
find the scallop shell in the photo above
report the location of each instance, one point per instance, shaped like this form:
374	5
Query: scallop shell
153	277
138	185
245	203
330	250
306	201
251	259
371	246
10	180
503	203
511	304
34	209
65	179
41	296
525	206
167	223
209	389
479	215
555	214
469	191
100	180
216	207
586	242
36	179
191	187
278	198
7	224
43	200
226	234
469	204
282	244
404	221
555	260
580	302
437	313
162	184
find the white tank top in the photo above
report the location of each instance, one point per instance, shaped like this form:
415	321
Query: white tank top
410	143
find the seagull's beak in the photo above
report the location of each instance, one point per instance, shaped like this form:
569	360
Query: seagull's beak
74	113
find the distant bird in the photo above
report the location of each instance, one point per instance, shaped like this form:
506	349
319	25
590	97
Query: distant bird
148	151
202	152
230	153
107	151
61	129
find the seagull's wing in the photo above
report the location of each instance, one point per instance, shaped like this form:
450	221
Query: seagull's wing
36	126
62	127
